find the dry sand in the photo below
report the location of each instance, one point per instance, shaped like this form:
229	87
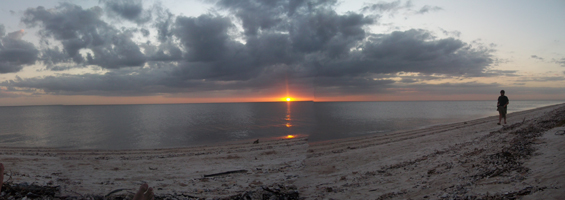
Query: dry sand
472	159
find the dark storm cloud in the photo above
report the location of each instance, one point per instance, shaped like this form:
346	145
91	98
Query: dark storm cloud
164	21
15	52
131	10
271	49
205	38
258	15
2	30
306	43
326	31
78	29
211	53
165	52
56	60
409	51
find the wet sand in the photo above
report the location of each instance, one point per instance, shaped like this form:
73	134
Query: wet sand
476	158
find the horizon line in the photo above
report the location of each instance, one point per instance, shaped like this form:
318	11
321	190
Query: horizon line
313	101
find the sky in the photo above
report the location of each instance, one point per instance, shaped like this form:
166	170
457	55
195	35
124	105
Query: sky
86	52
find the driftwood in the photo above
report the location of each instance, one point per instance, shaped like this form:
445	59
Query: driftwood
224	173
115	191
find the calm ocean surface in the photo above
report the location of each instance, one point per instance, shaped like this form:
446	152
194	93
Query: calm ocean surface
178	125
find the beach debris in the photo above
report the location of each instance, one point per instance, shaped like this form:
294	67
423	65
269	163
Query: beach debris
275	191
256	141
505	165
115	191
561	132
225	173
25	190
392	195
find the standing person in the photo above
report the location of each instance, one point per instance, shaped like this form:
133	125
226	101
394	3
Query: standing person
501	106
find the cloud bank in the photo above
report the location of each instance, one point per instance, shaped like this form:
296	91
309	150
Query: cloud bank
253	46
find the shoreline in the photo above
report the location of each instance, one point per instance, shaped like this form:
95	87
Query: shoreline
403	164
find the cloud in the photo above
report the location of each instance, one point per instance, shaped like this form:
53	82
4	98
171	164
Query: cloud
131	10
328	32
7	94
163	23
259	15
541	79
121	82
14	52
409	51
560	62
395	6
427	8
536	57
497	73
205	37
387	7
451	33
306	43
78	29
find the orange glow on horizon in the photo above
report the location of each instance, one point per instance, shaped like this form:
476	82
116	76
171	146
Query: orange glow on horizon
288	99
290	136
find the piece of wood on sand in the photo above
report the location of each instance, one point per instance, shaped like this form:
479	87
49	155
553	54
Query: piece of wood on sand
224	173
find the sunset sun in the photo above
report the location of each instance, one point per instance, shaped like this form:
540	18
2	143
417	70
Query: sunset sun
287	99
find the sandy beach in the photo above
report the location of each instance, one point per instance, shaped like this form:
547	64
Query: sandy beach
466	160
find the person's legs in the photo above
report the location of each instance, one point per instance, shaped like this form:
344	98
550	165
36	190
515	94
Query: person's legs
504	114
1	176
500	113
144	193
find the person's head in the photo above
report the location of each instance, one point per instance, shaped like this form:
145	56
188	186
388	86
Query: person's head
501	92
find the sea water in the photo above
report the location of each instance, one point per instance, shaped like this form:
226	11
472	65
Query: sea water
181	125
